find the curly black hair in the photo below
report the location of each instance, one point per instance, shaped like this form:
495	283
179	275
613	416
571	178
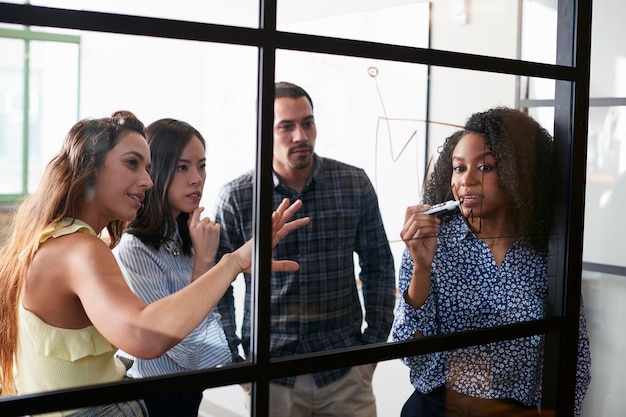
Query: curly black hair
523	152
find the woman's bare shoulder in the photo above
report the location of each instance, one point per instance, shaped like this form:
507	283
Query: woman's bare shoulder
62	268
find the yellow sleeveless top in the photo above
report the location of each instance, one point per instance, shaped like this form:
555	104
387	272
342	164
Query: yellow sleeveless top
50	358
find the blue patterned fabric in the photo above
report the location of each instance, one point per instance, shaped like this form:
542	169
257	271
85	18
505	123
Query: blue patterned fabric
469	291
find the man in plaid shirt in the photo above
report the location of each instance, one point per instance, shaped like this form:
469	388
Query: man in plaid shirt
316	308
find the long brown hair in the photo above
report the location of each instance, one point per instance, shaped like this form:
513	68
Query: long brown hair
67	180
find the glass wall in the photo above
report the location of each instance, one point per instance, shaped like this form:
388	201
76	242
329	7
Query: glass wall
40	79
390	80
605	265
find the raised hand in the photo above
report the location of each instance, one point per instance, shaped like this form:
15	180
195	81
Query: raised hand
205	239
419	234
281	227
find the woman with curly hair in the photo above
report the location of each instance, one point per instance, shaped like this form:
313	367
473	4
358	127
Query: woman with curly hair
481	265
64	305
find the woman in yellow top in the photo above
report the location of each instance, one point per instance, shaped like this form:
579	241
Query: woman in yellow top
64	305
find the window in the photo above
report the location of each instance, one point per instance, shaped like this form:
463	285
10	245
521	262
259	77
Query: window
39	73
384	100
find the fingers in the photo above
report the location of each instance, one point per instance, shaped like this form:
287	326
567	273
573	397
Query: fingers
415	210
285	266
285	211
195	216
418	226
281	226
291	209
194	219
288	228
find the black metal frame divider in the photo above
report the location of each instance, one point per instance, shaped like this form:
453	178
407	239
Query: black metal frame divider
571	115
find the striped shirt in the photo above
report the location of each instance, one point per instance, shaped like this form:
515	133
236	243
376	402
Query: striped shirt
153	274
317	308
469	291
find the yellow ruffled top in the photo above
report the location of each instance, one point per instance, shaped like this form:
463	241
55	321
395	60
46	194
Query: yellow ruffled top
50	358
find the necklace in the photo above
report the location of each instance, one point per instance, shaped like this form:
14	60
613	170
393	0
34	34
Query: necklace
172	249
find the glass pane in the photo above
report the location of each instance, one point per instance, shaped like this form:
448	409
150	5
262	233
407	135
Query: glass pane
537	88
232	12
227	401
12	62
606	161
10	26
608	56
502	378
604	223
383	386
456	25
372	115
539	22
606	311
53	102
606	186
392	388
378	21
211	86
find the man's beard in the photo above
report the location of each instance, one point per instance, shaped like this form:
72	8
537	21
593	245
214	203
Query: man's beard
301	162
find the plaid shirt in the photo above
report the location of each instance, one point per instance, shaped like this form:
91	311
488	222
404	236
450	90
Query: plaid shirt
317	308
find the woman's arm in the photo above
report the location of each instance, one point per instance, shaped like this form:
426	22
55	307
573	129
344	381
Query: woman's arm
148	331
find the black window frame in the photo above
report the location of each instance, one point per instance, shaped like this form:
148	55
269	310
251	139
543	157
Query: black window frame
571	118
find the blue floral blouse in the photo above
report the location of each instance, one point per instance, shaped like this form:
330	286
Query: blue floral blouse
469	291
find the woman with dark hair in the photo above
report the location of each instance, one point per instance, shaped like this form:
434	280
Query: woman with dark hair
64	305
483	264
165	248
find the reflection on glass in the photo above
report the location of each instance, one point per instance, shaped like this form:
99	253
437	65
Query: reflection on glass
448	398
